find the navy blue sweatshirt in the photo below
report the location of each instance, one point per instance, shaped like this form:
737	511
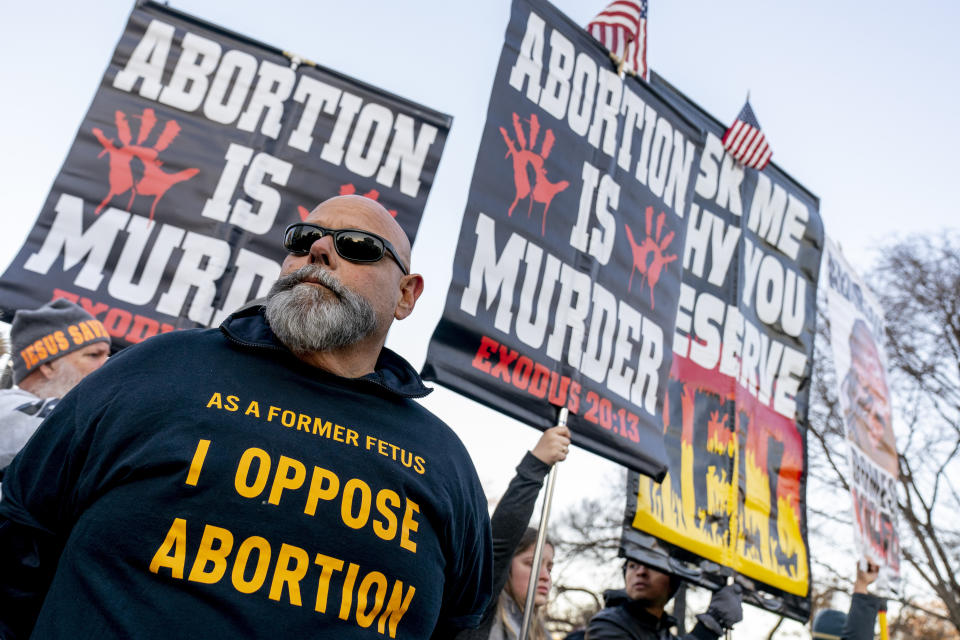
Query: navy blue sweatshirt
208	484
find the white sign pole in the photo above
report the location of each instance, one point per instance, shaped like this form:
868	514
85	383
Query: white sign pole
541	539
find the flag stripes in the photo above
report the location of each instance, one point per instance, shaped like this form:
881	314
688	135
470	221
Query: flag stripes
745	141
622	28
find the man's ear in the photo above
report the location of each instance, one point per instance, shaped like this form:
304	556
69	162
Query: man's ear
47	370
411	286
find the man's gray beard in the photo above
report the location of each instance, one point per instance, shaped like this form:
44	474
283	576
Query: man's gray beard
306	321
66	377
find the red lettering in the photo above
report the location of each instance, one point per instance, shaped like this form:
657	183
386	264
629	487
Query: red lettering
481	358
521	372
93	308
117	322
142	329
606	414
540	381
558	392
633	432
502	368
592	402
573	404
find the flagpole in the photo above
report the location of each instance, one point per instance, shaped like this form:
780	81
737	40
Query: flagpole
729	632
541	539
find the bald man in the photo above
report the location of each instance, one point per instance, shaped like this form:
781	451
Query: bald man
272	475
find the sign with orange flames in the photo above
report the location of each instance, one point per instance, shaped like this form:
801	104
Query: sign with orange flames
735	413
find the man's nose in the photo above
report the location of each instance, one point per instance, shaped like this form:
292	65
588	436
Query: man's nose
322	251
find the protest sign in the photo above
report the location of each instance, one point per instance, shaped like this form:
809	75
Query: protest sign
199	148
567	269
735	412
856	337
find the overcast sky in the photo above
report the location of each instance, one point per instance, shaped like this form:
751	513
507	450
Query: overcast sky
857	100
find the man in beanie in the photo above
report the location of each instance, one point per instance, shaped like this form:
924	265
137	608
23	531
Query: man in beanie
642	616
52	349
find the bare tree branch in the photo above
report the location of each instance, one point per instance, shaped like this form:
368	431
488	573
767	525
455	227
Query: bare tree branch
775	627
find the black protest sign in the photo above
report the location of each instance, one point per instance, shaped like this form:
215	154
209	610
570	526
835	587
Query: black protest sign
567	272
737	400
199	148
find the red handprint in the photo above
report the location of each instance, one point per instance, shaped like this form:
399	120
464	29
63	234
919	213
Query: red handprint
543	190
649	256
154	182
348	190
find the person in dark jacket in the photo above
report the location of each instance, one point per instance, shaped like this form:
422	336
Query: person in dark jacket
643	617
274	475
859	621
513	541
611	598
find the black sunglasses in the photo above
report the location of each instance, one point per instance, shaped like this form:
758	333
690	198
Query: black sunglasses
354	245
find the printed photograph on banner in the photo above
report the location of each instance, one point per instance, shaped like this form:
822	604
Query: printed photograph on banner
199	148
567	271
856	338
735	411
865	398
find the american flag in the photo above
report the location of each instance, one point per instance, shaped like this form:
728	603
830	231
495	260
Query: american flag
745	142
622	28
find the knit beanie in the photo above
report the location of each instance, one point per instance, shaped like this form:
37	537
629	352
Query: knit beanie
51	332
828	624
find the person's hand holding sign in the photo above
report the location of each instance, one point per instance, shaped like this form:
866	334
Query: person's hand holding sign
553	445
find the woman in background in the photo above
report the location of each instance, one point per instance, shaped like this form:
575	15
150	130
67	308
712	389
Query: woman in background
509	617
514	542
